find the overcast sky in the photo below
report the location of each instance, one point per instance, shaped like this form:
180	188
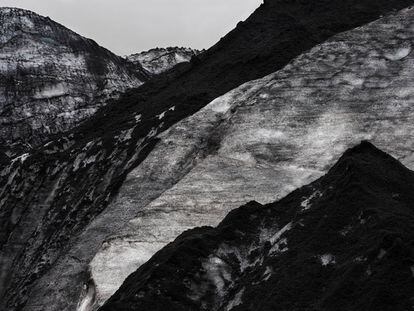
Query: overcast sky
130	26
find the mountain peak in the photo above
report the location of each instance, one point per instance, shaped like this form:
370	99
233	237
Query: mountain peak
365	153
44	64
21	11
158	60
24	18
367	161
365	148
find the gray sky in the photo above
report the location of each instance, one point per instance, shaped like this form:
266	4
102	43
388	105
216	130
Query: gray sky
130	26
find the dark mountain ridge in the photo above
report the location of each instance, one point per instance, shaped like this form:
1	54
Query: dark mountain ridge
269	39
344	242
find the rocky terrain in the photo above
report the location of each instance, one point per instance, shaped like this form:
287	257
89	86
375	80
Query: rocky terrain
113	186
159	60
51	79
268	137
343	242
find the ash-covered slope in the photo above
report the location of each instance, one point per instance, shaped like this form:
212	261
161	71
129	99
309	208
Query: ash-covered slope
55	213
266	138
51	79
344	242
159	60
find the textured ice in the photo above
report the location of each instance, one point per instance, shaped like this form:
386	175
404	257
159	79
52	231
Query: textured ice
106	270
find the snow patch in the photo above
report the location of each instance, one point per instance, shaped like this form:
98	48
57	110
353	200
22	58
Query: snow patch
89	160
21	158
161	115
116	260
237	300
242	255
27	22
267	274
280	246
221	104
276	237
78	161
398	54
327	259
59	89
180	58
382	253
138	118
88	300
306	204
218	272
126	135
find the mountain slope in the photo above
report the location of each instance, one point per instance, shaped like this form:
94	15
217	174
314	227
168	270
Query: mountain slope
55	211
344	242
51	79
264	139
159	60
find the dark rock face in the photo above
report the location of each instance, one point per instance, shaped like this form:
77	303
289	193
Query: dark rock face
51	198
344	242
159	60
51	79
